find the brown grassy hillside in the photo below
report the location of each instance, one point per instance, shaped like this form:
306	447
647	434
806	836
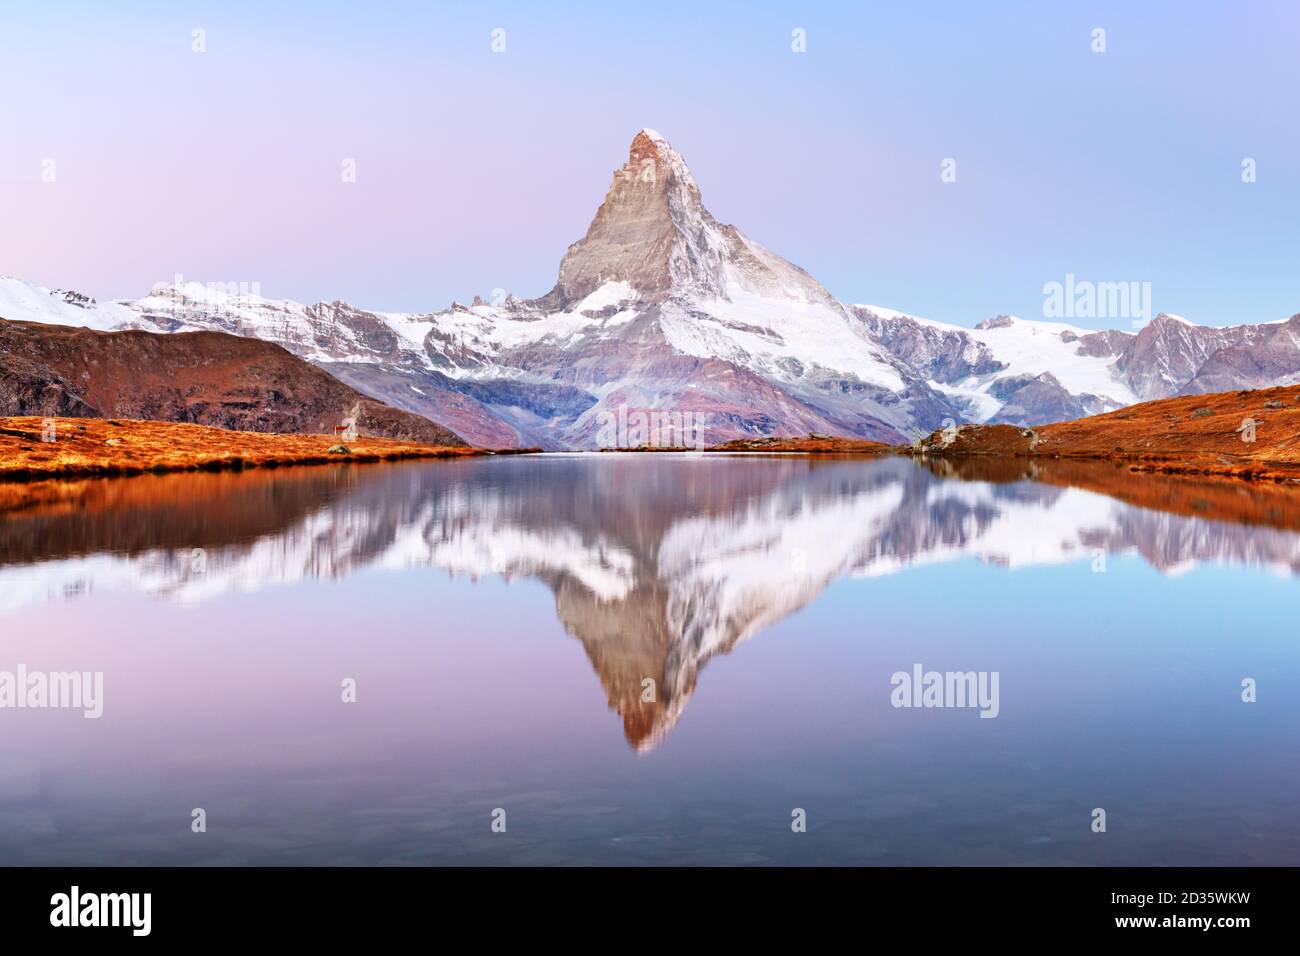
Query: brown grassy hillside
1195	434
203	378
98	446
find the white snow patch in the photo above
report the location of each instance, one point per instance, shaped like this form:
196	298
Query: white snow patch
764	334
611	293
24	302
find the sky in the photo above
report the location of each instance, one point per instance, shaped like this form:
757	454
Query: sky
475	169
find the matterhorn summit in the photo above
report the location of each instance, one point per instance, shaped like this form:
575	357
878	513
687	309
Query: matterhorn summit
654	233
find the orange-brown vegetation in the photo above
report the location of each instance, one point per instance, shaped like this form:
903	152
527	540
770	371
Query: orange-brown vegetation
1190	435
97	446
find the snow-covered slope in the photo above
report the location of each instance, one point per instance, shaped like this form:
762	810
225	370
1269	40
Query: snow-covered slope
23	301
324	332
997	368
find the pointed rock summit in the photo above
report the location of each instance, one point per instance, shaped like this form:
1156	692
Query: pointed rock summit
653	232
636	235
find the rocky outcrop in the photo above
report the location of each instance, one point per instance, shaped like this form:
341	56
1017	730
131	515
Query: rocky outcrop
29	387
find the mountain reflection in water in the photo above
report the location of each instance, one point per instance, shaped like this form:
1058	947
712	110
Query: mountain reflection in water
656	562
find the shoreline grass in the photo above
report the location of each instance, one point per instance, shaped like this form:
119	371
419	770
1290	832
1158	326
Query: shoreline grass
33	449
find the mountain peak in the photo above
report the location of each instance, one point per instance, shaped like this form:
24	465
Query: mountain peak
651	159
654	233
649	141
639	232
649	147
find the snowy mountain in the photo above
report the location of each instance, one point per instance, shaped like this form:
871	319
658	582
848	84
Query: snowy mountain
21	301
1008	369
660	306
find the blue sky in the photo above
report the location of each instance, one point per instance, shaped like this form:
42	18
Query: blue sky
476	169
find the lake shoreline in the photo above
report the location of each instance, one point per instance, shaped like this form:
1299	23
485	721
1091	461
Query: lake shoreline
36	449
1252	435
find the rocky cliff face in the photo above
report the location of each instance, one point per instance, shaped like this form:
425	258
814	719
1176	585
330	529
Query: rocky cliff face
1011	370
637	235
1265	356
1169	352
205	378
654	233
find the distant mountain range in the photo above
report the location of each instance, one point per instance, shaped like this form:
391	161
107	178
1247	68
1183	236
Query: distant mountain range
660	306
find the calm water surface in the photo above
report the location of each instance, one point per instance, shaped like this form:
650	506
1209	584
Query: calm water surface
501	619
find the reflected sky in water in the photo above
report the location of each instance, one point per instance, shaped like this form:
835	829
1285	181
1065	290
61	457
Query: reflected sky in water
501	619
